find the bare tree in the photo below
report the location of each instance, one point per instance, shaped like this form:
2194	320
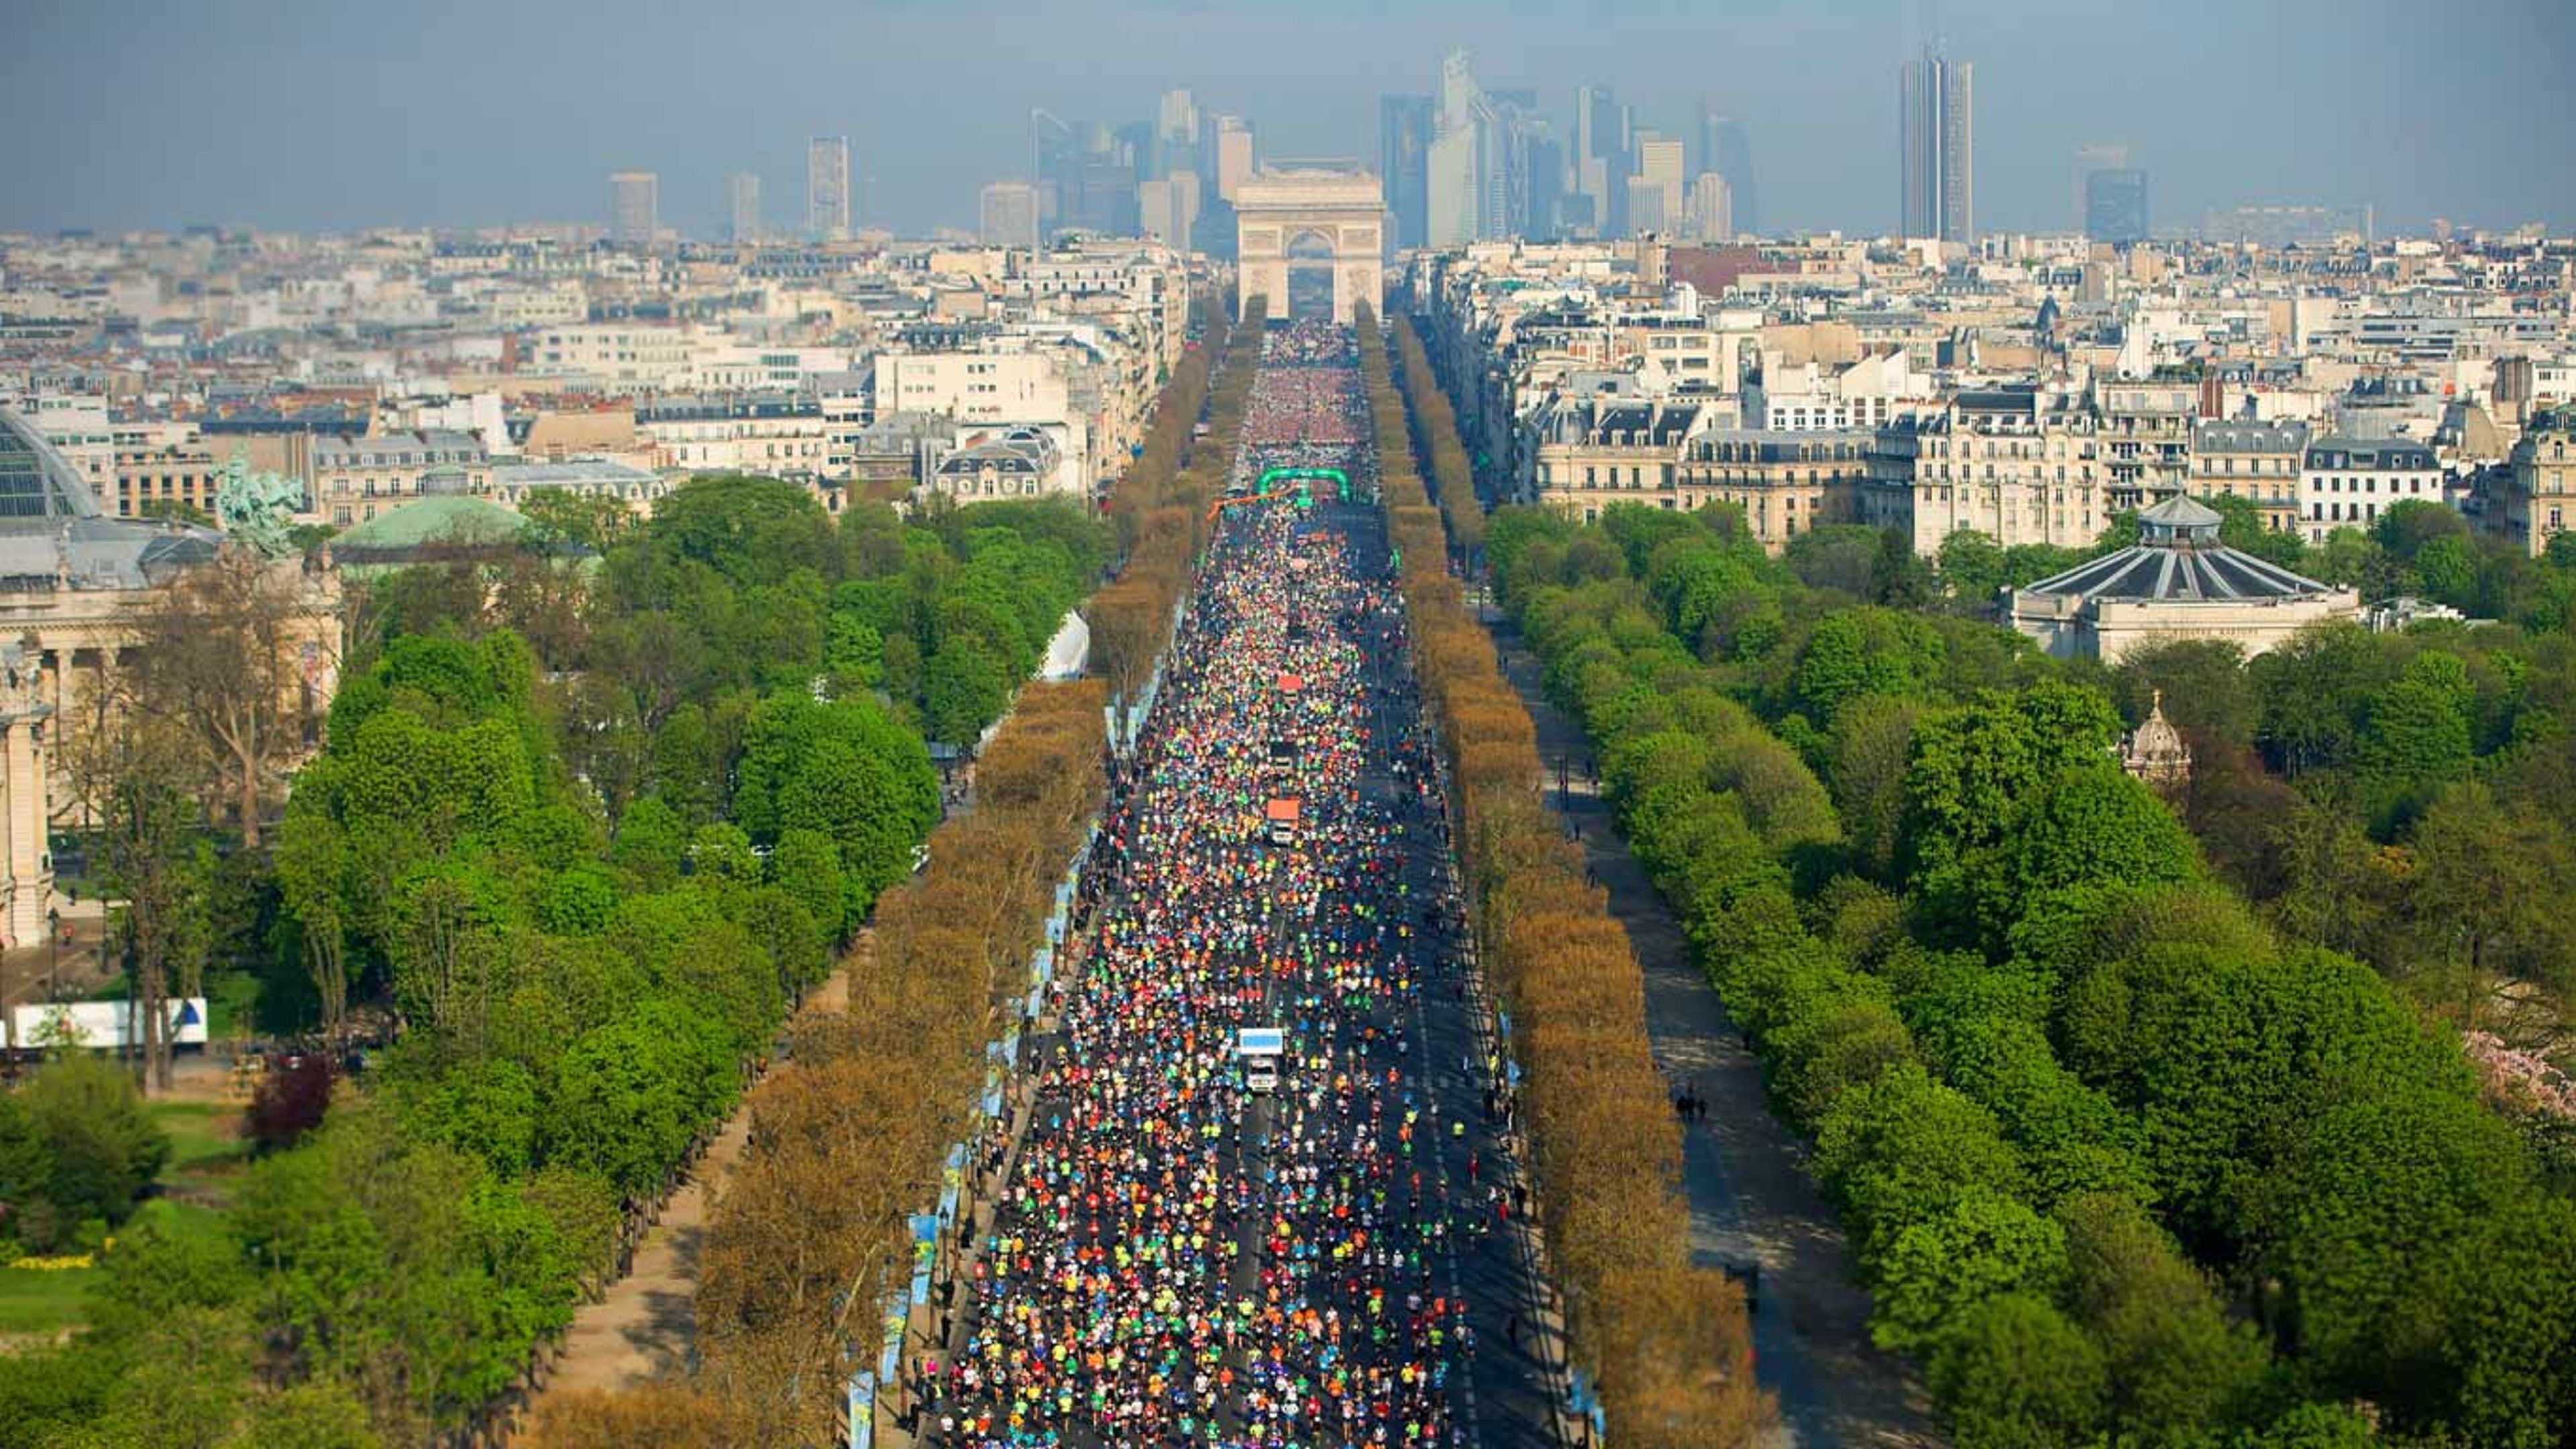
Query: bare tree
132	776
217	653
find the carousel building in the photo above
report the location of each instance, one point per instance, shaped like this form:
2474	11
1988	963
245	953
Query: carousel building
2176	582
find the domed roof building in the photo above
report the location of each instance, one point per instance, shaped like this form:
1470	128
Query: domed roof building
2176	582
2155	752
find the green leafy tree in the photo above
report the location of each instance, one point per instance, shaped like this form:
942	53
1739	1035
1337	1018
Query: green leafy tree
632	1093
559	517
1980	1244
2178	1366
101	1148
1973	566
2015	1374
807	864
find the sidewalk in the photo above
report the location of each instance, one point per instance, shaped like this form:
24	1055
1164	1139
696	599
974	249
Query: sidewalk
643	1327
1751	1198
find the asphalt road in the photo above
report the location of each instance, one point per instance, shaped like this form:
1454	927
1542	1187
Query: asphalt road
1751	1197
1419	1141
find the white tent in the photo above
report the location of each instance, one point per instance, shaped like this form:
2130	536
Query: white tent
1069	652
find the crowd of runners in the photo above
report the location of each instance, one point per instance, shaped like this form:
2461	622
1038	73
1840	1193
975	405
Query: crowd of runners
1181	1257
1309	388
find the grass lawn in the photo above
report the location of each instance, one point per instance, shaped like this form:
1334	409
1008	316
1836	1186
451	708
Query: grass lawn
203	1142
34	1301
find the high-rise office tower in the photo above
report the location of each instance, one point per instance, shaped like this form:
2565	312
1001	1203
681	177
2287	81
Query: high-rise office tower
634	208
827	188
1055	161
1176	117
2115	205
1010	214
1405	126
1186	199
1726	147
1712	208
1177	137
1936	133
1154	212
744	193
1469	162
1646	213
1600	160
1659	167
1233	154
2095	156
1543	162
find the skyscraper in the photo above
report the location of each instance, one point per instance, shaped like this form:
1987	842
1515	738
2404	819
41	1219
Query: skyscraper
1010	214
744	192
1469	181
1405	125
1659	170
1726	148
1177	133
1233	154
1176	118
1186	198
827	188
1712	208
1936	121
2089	158
634	208
1600	159
1543	160
1055	159
2115	205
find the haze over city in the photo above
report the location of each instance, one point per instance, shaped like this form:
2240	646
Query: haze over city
986	724
317	115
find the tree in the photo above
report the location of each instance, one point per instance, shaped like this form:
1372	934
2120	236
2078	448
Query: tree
1899	577
2090	825
631	1095
559	517
130	772
217	653
313	872
2177	1364
306	1416
1972	565
1938	1267
2490	903
2016	1375
101	1149
292	1097
2410	524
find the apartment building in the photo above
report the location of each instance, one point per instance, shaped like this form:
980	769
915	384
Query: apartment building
352	478
2535	497
1589	453
1787	482
2256	461
2021	464
2345	482
2145	437
777	435
1807	396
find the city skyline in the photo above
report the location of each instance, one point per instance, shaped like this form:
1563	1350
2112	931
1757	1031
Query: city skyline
1806	86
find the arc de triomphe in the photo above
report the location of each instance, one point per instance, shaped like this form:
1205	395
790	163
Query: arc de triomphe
1277	210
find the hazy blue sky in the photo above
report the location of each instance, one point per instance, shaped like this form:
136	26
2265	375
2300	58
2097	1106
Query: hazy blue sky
346	113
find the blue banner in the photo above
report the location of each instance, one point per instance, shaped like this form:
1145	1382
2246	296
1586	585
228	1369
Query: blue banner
863	1409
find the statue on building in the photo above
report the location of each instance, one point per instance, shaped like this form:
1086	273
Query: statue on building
2155	752
256	508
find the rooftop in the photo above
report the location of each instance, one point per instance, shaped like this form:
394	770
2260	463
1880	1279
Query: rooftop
2179	560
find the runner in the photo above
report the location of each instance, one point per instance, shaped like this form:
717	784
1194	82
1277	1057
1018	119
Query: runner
1178	1260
